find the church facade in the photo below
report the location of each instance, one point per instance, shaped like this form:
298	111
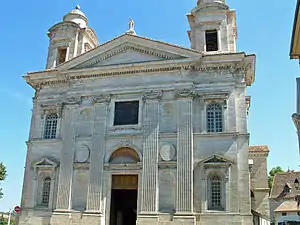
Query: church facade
139	131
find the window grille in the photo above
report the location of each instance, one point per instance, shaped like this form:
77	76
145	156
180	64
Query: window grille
214	118
50	126
216	192
46	190
211	38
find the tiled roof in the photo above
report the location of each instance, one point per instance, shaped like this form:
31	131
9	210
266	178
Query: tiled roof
288	206
259	148
283	179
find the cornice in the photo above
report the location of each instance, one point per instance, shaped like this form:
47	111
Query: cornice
53	77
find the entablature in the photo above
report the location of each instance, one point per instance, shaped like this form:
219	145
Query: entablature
233	64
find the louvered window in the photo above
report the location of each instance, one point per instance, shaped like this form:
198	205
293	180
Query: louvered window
50	126
211	38
126	113
62	55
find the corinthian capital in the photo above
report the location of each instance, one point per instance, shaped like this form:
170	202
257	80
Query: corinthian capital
185	93
152	95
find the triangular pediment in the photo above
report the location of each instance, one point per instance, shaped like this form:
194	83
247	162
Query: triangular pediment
45	162
127	53
215	159
128	49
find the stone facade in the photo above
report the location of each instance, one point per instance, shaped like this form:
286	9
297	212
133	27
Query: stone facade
188	147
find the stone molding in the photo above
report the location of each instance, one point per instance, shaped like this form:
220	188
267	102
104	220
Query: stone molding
127	166
51	109
152	95
166	165
185	93
72	101
101	99
81	166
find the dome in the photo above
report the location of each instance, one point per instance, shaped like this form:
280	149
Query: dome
200	2
77	16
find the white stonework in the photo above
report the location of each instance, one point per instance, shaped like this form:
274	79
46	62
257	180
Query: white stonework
176	158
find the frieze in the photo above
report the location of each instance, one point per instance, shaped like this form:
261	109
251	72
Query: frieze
152	95
136	71
101	99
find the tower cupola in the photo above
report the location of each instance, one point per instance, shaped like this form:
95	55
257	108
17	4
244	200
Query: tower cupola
213	27
70	38
77	16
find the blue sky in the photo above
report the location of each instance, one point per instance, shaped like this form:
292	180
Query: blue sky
264	28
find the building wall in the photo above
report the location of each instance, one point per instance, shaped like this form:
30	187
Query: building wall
77	126
259	183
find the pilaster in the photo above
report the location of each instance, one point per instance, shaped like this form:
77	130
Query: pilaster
95	185
184	198
67	155
149	190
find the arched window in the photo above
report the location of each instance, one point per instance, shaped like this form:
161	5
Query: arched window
215	195
214	118
46	190
50	126
124	155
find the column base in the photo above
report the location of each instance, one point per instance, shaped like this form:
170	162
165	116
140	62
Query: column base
165	218
77	218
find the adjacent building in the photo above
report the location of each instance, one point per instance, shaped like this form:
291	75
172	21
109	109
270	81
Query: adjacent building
284	198
139	131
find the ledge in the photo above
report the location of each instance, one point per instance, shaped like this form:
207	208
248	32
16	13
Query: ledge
42	140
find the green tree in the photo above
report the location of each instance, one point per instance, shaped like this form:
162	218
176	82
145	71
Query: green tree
4	221
3	175
272	173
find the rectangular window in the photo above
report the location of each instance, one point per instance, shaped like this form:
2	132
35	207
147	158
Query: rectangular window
126	113
211	38
62	55
284	213
214	118
50	126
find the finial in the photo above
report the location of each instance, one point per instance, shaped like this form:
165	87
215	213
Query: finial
77	7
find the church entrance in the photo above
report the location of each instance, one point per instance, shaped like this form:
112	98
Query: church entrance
123	206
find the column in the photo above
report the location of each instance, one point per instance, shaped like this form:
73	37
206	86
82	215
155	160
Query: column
149	190
67	156
184	198
97	154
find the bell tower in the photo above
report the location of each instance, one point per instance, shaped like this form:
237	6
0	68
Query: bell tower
70	38
212	27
